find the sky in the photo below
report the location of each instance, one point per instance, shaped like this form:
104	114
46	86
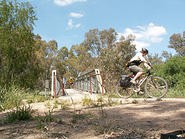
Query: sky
152	22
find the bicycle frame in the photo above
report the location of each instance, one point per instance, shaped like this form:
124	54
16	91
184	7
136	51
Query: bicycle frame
141	81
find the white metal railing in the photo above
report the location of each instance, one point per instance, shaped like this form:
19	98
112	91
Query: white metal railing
90	81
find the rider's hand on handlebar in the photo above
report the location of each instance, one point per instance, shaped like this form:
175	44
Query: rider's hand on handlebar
149	65
148	71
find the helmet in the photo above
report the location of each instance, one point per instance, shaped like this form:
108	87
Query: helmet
144	50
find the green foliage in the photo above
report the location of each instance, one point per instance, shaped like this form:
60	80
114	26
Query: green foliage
87	102
32	97
17	44
177	93
11	97
14	96
64	105
177	42
174	72
112	62
20	114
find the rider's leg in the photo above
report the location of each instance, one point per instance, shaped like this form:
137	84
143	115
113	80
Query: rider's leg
137	70
137	76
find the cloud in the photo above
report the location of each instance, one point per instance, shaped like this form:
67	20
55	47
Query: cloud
67	2
145	36
76	15
71	25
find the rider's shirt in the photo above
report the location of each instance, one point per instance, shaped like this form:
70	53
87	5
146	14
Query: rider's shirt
139	58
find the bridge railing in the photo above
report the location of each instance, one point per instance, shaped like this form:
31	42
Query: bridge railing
90	81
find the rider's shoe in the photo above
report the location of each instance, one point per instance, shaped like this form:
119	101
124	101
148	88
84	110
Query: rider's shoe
133	81
136	89
141	93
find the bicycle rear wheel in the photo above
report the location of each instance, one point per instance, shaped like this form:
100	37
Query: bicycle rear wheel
124	92
156	87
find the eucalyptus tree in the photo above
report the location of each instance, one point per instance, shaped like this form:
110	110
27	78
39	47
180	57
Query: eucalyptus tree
96	40
16	44
49	57
63	53
108	37
80	60
177	42
112	62
92	42
166	55
156	59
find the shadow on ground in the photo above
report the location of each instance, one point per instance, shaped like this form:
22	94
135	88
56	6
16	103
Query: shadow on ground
143	120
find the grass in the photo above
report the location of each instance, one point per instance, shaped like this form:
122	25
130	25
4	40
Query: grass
87	102
14	96
80	117
175	93
172	93
43	121
19	114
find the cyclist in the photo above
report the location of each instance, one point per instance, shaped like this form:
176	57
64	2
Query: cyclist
136	61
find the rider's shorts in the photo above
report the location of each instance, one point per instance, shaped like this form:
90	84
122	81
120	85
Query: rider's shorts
135	69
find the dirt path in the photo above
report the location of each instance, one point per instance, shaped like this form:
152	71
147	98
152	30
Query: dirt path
145	119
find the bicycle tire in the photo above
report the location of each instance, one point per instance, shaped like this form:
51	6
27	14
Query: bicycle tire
124	92
156	87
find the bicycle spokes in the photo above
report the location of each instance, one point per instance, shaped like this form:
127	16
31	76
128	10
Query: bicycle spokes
124	92
156	87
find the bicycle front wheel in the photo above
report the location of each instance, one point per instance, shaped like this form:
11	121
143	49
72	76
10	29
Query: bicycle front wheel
156	87
124	92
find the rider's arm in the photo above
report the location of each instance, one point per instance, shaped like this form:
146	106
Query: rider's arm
146	63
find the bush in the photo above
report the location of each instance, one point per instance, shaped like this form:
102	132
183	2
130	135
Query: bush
174	72
13	96
20	114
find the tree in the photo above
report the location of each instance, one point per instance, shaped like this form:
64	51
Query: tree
112	62
174	71
107	38
62	53
177	42
166	55
96	40
92	42
17	44
155	59
81	59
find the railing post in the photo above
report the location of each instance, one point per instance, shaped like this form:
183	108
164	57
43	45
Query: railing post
53	83
102	85
90	83
55	86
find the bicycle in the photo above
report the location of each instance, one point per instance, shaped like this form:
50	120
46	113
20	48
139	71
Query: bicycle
153	86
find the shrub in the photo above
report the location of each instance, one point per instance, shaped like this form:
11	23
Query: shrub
20	114
174	72
11	97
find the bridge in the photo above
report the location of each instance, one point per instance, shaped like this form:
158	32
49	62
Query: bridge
90	82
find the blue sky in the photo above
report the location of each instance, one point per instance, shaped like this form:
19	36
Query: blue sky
151	21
